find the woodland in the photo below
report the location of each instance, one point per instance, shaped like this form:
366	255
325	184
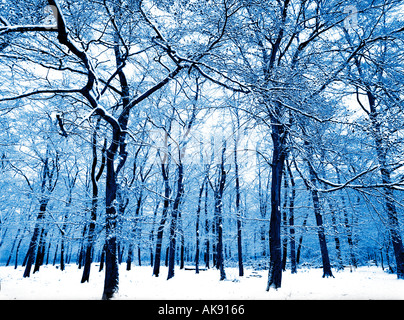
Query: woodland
201	135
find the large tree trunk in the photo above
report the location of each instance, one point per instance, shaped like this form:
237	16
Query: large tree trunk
111	281
275	264
278	161
118	141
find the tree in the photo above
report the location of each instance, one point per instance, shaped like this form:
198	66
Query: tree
218	188
370	77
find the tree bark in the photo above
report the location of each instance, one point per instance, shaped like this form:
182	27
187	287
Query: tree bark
207	241
279	153
238	207
285	222
319	221
219	214
34	240
111	281
174	220
160	230
197	227
292	220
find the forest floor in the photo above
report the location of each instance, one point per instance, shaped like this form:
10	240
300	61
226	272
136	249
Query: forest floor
364	283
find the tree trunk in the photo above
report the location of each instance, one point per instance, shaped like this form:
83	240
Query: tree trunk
218	214
182	240
320	227
238	209
111	281
94	203
160	230
393	226
207	242
278	161
197	229
16	253
12	248
34	240
292	220
174	219
299	247
135	231
263	199
219	255
151	237
353	260
284	222
62	254
340	264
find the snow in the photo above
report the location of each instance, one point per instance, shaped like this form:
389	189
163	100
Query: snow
365	283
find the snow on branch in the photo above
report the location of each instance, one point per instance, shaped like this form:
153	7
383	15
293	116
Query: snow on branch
26	28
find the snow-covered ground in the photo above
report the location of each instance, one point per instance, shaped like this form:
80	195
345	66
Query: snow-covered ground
51	283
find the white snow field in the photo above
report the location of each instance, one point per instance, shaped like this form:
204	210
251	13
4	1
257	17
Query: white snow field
364	283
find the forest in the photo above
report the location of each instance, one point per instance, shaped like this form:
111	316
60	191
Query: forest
201	134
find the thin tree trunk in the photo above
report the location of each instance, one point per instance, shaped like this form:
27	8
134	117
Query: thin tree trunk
292	220
353	260
238	207
263	199
16	253
160	230
94	203
299	247
207	242
320	227
34	240
218	195
340	264
197	229
284	222
151	237
174	220
62	254
12	248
